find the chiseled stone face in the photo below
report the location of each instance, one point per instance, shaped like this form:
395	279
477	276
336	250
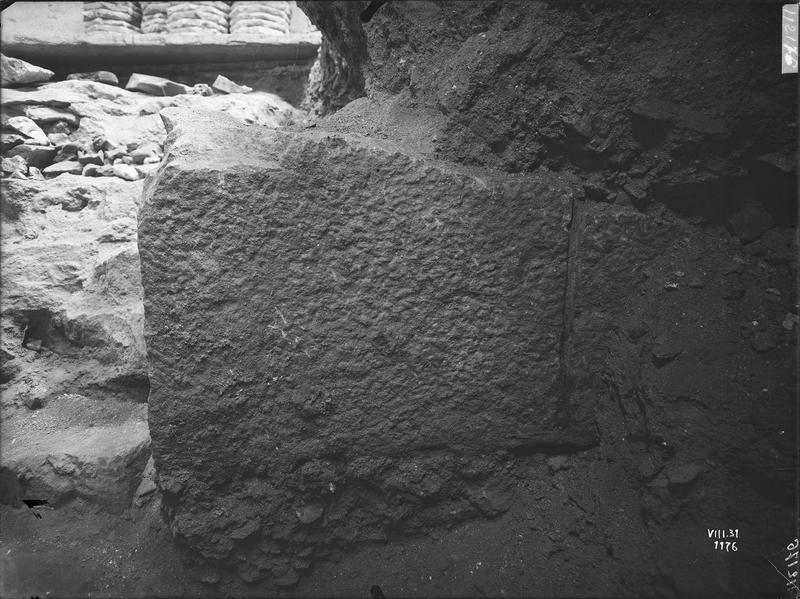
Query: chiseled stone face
337	329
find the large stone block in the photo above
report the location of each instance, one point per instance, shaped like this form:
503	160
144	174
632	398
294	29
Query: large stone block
327	315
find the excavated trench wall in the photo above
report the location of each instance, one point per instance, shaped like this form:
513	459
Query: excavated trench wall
528	230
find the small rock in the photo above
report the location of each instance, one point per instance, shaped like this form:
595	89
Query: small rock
67	151
38	156
58	139
172	486
35	174
290	578
94	170
146	169
301	564
309	513
637	191
649	467
790	321
91	170
750	222
14	164
201	89
696	283
636	332
44	114
210	578
143	152
9	140
226	86
125	171
670	286
557	462
756	248
492	501
247	530
147	486
733	267
57	127
99	142
29	129
73	203
682	474
157	86
14	71
91	158
33	344
733	290
66	166
785	163
113	153
151	160
99	76
120	230
32	402
764	341
594	190
781	244
665	351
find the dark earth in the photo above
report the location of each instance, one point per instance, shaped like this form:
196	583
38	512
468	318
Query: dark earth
676	135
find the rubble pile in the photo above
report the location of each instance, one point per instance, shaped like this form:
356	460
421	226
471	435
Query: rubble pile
73	368
44	134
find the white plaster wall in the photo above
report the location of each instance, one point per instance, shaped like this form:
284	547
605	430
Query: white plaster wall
51	22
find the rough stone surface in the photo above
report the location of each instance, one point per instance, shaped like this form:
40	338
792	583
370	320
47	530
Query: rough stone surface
43	115
65	166
71	306
29	129
226	86
14	71
38	156
381	306
99	76
157	86
13	164
751	222
75	447
9	140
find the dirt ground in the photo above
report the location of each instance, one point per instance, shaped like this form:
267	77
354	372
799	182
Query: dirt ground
564	536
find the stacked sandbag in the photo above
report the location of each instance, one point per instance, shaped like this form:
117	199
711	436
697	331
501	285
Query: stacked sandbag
154	17
111	17
197	17
260	17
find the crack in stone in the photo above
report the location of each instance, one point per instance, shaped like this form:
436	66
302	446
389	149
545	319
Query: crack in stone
565	375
